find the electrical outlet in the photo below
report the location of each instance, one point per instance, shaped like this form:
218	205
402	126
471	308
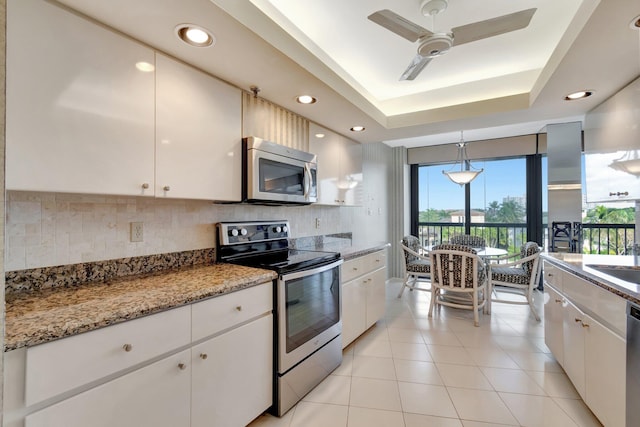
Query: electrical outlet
137	232
317	222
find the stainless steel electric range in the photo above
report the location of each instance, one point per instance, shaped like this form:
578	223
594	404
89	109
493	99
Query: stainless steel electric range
308	345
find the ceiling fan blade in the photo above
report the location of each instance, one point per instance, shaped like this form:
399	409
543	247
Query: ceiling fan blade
416	66
399	25
492	27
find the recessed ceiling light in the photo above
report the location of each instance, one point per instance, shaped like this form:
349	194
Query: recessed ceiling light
578	95
145	67
635	23
357	128
306	99
194	35
319	135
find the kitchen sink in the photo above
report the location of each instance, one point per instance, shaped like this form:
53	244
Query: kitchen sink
628	274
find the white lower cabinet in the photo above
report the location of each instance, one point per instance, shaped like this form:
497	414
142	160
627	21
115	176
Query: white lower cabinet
583	332
232	375
201	365
156	395
363	294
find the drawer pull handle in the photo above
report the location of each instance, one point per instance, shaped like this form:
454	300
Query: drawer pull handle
558	300
578	320
550	274
239	308
145	186
355	268
166	188
127	347
585	325
203	356
182	366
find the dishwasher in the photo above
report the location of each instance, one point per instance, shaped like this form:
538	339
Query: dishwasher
633	365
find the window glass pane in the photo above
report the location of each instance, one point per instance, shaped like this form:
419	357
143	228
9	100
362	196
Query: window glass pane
439	201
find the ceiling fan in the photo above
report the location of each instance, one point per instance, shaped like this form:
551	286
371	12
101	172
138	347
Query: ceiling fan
435	44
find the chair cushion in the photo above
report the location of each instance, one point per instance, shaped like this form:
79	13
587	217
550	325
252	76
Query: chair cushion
526	250
413	243
456	267
468	240
419	266
510	275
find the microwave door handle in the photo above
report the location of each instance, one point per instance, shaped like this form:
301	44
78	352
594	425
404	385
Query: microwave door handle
307	180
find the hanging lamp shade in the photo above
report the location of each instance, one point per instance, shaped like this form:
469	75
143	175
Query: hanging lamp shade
466	172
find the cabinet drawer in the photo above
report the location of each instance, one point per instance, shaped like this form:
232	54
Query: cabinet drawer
552	275
62	365
352	269
220	313
375	260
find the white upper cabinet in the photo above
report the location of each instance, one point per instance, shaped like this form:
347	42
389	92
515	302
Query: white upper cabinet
80	114
198	138
339	167
612	147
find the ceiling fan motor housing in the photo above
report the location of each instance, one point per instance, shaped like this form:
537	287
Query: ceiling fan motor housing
435	45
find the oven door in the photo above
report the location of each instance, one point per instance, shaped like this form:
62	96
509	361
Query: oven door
309	304
271	177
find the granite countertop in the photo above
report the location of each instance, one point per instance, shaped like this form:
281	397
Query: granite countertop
349	250
580	265
44	315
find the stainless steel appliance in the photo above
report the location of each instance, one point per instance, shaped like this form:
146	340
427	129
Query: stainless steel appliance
633	365
308	325
273	173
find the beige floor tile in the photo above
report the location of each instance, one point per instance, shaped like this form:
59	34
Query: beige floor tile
535	361
516	343
366	417
463	376
346	366
334	389
426	399
410	351
405	335
372	347
481	405
401	323
416	371
578	412
417	420
309	414
467	423
512	381
268	420
555	384
450	354
375	394
373	367
492	358
536	411
441	338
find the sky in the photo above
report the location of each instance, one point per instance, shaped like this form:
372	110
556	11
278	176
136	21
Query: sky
500	178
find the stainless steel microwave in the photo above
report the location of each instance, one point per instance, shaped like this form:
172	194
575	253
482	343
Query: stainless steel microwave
276	174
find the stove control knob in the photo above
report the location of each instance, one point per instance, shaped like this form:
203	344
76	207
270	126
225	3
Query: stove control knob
243	231
278	229
233	232
284	229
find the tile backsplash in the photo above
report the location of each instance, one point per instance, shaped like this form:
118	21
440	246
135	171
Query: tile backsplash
49	229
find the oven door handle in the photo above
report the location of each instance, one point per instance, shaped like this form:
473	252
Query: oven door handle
303	273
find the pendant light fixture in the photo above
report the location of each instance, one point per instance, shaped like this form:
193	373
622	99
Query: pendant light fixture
467	173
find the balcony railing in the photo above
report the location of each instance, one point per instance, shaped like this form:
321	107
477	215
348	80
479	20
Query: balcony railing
613	239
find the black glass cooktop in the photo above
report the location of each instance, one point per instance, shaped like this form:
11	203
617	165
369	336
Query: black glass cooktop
287	260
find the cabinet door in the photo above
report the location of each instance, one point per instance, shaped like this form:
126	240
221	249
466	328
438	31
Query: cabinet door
354	310
605	373
80	114
553	336
573	348
233	375
198	140
156	395
376	296
339	167
606	179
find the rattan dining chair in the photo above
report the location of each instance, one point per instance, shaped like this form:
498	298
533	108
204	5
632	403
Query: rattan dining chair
458	279
518	277
416	265
468	240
